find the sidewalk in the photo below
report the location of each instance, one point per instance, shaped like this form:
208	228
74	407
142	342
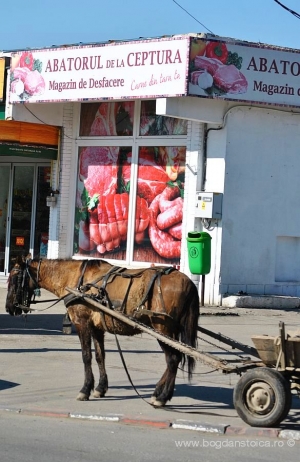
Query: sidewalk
41	373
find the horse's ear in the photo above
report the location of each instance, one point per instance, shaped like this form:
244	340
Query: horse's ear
18	260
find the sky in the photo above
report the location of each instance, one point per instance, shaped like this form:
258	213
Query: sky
42	23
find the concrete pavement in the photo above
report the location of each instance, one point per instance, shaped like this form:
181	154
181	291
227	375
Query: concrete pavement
41	373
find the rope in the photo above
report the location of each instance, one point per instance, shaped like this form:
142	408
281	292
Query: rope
125	367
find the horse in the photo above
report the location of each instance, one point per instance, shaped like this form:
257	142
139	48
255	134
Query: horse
161	297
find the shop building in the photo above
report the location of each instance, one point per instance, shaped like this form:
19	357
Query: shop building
152	134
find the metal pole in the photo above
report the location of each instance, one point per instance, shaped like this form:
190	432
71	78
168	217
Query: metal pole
202	289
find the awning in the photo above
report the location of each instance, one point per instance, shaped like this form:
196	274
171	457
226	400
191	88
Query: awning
28	140
2	68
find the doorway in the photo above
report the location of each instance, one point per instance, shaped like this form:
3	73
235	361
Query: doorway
24	215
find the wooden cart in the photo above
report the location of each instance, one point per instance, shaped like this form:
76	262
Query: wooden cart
262	397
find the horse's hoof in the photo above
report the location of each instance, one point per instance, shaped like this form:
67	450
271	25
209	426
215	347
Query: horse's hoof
155	402
82	397
98	394
152	399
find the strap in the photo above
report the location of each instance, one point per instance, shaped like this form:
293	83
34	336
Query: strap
151	283
47	308
113	270
126	296
80	280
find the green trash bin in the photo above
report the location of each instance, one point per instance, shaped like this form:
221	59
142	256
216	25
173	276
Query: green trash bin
199	252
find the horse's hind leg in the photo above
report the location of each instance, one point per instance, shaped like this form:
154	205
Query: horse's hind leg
98	338
84	334
165	387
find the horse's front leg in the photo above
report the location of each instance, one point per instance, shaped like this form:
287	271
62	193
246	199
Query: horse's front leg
98	338
165	387
85	337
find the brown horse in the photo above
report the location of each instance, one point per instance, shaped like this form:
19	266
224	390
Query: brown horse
161	297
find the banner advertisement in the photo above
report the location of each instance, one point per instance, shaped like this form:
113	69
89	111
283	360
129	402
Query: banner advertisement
244	72
150	68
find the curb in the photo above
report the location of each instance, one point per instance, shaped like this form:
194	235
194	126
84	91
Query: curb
203	427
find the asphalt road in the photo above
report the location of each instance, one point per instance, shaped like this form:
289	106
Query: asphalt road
54	440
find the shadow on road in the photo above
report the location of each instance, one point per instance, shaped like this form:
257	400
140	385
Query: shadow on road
5	385
35	324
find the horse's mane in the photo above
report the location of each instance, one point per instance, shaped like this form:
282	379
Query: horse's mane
95	263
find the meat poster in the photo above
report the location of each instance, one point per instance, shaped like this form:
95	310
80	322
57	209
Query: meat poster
160	183
105	221
242	71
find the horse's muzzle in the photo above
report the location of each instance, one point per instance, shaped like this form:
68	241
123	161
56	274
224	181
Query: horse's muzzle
13	309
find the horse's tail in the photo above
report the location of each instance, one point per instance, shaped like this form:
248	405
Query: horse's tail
189	325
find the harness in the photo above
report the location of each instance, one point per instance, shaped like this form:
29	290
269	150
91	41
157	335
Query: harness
103	297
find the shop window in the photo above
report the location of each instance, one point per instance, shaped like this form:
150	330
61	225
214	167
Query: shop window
157	125
159	204
107	119
109	222
102	202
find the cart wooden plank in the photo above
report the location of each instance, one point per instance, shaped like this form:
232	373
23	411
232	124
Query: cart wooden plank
282	351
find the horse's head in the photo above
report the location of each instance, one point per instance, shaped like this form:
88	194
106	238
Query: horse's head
20	288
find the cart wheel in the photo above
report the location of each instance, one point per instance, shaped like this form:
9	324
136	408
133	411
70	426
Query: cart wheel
262	397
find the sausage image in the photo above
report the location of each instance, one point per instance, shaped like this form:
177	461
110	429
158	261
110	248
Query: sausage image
162	242
171	216
167	197
176	231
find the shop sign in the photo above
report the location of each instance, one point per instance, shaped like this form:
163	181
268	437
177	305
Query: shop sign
37	152
144	68
2	69
20	241
241	71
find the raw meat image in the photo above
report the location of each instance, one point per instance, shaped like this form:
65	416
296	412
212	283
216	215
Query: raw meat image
26	78
215	70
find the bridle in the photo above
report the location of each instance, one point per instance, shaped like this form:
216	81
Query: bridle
24	295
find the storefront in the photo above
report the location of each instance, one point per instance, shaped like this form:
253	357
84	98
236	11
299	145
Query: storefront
26	153
147	126
121	154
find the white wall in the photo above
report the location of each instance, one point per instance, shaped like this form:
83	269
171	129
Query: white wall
214	182
261	203
193	175
50	114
